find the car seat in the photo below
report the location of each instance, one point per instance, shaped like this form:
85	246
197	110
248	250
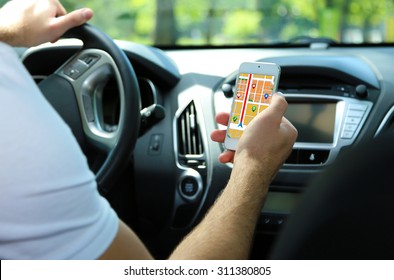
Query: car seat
348	210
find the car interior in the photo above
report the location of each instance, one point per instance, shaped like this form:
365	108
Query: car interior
143	115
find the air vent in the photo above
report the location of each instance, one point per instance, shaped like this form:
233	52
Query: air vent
189	134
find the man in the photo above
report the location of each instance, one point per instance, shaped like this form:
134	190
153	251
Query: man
49	204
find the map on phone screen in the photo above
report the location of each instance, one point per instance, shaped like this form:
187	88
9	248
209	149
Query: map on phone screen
253	95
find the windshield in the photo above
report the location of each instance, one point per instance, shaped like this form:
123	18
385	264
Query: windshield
176	23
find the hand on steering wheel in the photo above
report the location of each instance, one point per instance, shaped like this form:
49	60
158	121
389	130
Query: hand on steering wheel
75	90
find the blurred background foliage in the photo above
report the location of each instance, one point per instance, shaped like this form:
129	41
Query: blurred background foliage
240	22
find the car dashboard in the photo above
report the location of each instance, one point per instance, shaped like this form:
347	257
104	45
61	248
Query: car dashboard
338	97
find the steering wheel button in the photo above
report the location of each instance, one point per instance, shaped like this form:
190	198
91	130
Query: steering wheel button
75	69
71	72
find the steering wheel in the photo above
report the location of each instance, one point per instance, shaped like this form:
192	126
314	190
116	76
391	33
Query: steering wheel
75	90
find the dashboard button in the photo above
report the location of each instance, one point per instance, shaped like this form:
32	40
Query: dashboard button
189	186
350	127
347	134
353	120
272	220
155	145
358	107
267	221
313	156
355	113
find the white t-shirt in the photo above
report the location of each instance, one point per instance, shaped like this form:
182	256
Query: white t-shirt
49	204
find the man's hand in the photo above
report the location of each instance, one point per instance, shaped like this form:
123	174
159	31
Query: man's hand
270	136
26	23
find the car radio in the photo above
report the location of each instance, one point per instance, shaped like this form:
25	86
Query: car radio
325	124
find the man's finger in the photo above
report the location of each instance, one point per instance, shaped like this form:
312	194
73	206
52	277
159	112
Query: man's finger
218	135
76	18
226	157
222	118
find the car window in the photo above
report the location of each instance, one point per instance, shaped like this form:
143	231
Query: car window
175	23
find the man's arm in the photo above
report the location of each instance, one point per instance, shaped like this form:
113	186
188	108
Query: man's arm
27	23
126	246
227	230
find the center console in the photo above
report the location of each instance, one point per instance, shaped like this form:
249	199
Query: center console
325	124
329	105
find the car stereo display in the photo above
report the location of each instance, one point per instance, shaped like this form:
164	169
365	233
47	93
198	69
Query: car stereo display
315	122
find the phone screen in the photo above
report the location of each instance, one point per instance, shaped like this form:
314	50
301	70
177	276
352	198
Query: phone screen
253	95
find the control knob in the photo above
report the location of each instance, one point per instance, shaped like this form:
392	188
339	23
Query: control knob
362	91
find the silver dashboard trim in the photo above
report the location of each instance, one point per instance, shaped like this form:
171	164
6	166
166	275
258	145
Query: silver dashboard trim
387	117
203	187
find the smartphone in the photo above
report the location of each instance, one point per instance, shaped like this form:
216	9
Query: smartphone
256	83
